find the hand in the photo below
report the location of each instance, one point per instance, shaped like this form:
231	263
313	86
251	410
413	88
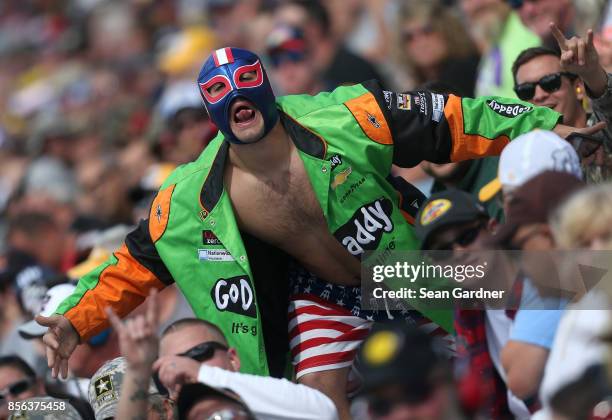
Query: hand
565	130
603	46
138	340
579	56
60	341
175	371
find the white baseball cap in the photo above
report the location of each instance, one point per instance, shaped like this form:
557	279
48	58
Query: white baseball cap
529	155
51	302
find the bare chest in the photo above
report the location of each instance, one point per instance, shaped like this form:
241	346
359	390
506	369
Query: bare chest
276	209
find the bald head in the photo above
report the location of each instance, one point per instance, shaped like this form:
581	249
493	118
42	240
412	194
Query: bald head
185	334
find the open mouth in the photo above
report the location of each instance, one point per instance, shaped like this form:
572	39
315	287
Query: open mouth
243	114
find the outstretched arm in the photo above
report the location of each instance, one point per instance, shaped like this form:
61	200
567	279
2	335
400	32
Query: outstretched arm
121	283
446	128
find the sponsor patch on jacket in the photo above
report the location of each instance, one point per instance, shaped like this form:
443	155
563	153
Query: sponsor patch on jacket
209	238
215	255
434	210
420	102
508	110
372	120
335	160
403	101
437	107
341	177
366	227
234	295
388	99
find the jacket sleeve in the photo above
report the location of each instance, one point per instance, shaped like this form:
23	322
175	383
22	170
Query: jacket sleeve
121	283
446	128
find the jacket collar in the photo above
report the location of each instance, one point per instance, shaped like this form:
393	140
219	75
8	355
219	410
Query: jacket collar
304	139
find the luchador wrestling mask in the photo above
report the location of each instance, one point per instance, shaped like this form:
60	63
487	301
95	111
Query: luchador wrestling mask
227	66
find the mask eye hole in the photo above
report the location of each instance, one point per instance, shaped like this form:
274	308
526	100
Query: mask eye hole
248	76
215	89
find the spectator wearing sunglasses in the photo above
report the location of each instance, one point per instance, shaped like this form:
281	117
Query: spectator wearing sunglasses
18	381
292	67
434	45
193	350
509	389
559	80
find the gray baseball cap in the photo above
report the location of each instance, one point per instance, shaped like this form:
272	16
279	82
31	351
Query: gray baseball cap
45	408
105	388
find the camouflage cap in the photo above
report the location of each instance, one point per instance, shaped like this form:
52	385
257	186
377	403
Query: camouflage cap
45	408
105	388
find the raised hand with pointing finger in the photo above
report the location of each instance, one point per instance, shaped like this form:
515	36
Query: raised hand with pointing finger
579	56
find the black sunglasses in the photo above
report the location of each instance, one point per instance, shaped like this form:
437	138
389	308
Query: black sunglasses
410	35
200	353
16	388
550	83
444	251
204	351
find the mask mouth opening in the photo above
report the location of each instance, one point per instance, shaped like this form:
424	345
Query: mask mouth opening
243	112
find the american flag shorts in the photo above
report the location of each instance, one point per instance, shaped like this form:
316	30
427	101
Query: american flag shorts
327	323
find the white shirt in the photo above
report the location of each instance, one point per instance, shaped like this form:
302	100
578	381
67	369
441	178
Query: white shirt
272	398
577	346
498	327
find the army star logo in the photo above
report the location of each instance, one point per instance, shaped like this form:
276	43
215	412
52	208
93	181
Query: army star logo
103	386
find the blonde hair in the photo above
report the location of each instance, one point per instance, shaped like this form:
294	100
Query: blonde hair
583	216
444	21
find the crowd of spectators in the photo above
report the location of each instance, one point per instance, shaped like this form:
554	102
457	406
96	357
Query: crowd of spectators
98	104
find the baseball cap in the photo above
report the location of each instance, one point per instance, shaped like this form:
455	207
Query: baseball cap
191	394
68	413
182	50
528	155
104	244
30	279
398	354
105	388
534	201
51	301
443	209
286	42
177	96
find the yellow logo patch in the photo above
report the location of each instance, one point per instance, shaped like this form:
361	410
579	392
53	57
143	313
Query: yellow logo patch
434	210
341	177
381	347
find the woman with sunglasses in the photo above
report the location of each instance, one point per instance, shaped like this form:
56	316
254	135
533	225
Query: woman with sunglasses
433	44
563	80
